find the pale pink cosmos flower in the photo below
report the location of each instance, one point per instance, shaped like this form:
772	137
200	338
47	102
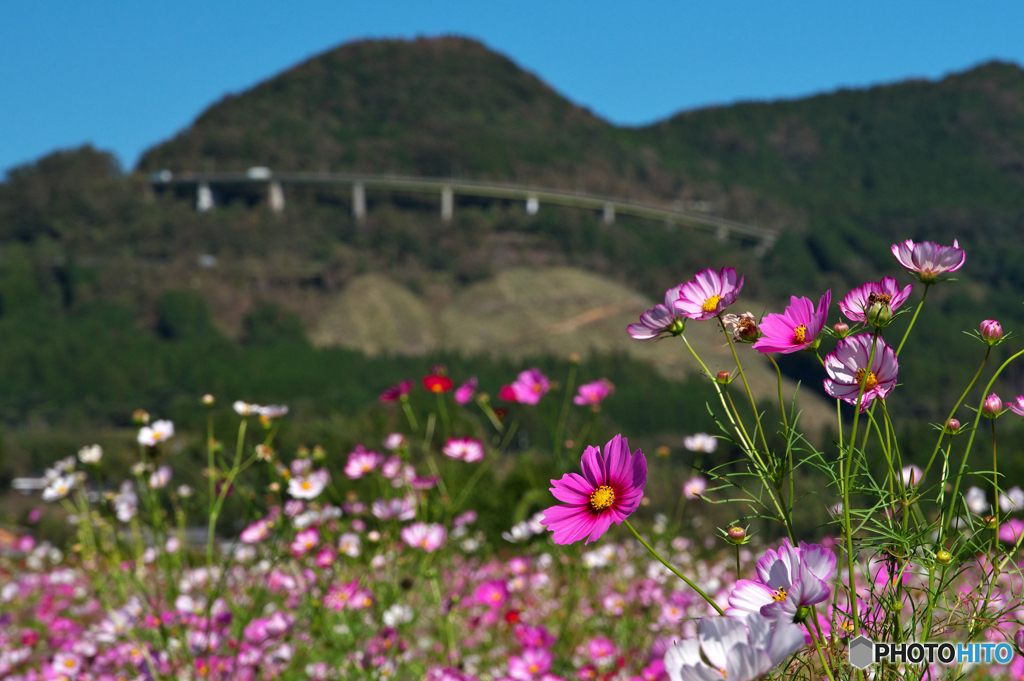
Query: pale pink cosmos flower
911	475
848	370
305	541
701	442
67	665
309	486
391	468
397	509
601	650
694	487
464	393
530	386
150	436
531	664
796	329
609	490
788	579
429	537
927	260
708	294
592	394
350	544
857	301
160	477
361	462
339	596
394	441
465	449
1017	406
660	319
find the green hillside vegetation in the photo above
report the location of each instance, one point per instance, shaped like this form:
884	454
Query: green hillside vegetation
105	307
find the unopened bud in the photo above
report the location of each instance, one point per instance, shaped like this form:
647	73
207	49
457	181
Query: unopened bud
991	522
208	399
574	357
952	426
318	453
736	535
747	331
878	313
991	331
724	377
992	407
943	557
841	330
140	417
663	451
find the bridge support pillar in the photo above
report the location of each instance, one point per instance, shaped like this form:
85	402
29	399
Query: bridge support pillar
766	245
608	214
532	205
358	201
447	204
204	197
275	196
722	233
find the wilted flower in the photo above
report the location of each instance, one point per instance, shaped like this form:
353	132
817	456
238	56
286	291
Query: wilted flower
694	487
700	442
660	319
848	370
593	394
708	294
464	393
465	449
886	294
927	260
150	436
91	454
428	537
396	392
744	327
530	386
796	329
609	490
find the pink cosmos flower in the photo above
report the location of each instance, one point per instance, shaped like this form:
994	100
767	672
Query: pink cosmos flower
530	386
361	462
464	393
151	436
788	579
340	595
305	541
694	487
309	486
400	509
609	490
1011	530
325	557
600	649
67	665
848	369
493	594
532	663
391	468
660	319
927	260
708	294
396	392
911	475
423	536
795	329
594	393
465	449
1017	406
861	298
256	532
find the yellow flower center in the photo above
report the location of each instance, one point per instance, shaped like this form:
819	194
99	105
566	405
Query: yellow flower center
711	304
800	334
602	498
534	669
866	379
779	594
69	663
306	484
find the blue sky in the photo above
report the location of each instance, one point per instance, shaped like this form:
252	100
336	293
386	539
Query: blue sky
125	75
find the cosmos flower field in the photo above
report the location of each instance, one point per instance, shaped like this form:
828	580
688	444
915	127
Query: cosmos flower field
381	572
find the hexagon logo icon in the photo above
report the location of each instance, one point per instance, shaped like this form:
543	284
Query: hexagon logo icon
861	652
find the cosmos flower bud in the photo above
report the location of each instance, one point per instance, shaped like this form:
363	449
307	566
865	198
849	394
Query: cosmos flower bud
992	407
943	557
140	417
952	426
991	331
841	330
724	377
991	522
878	311
208	399
736	535
663	451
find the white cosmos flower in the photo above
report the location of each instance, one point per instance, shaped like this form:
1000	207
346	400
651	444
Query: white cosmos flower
397	614
1013	500
350	544
700	442
160	477
737	649
90	454
59	488
245	409
308	486
976	501
150	436
911	475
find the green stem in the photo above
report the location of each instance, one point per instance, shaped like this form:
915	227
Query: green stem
408	414
560	431
442	407
913	319
676	572
955	407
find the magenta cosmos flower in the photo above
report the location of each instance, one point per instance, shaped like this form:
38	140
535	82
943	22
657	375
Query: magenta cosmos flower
795	329
530	386
396	392
594	393
708	294
927	260
661	319
861	298
848	369
609	490
464	393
